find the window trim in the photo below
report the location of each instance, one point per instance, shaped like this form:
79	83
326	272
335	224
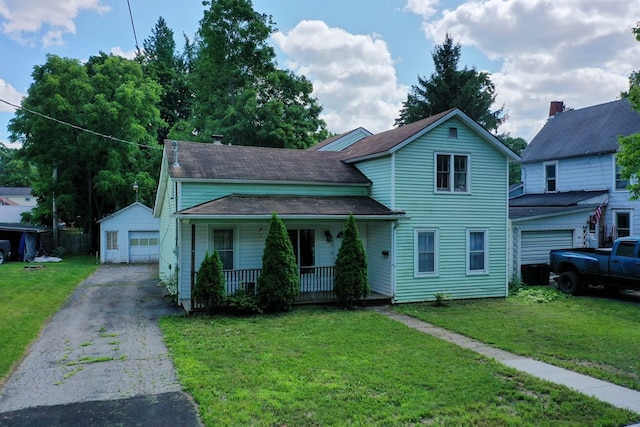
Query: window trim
615	221
486	251
451	188
236	246
616	169
436	253
546	179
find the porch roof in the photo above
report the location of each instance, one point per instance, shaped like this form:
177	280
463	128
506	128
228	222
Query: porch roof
242	205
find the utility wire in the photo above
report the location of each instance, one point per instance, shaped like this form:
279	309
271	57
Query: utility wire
135	37
113	138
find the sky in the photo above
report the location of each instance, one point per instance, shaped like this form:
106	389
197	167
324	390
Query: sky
363	56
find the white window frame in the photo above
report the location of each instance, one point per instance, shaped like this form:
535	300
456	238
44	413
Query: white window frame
236	246
451	189
616	173
436	244
546	179
485	270
615	221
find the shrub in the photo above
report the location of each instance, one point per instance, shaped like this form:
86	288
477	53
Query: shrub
279	282
243	302
351	283
209	289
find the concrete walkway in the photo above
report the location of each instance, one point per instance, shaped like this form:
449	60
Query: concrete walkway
615	395
101	359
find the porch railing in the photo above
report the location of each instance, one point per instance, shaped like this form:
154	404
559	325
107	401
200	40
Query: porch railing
316	283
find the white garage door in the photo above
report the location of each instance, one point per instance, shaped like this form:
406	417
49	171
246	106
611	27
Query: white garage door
535	245
143	246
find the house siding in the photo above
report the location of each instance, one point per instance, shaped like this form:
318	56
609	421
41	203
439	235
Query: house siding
573	174
168	264
379	171
195	193
451	214
135	217
379	271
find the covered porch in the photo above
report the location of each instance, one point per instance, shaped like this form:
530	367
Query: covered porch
315	226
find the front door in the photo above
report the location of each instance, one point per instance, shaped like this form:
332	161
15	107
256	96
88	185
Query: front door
113	254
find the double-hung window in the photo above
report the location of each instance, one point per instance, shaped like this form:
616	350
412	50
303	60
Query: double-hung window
425	252
550	177
477	251
621	183
222	242
452	173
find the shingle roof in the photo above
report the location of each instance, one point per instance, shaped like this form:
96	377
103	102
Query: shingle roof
247	163
533	205
587	131
265	205
15	191
385	141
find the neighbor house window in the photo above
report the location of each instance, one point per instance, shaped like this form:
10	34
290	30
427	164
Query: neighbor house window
550	177
452	173
222	242
477	251
621	184
453	132
425	252
304	248
623	224
112	240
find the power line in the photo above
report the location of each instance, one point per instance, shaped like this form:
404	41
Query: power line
113	138
135	37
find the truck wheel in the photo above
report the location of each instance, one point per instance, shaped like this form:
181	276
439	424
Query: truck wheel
1	257
569	283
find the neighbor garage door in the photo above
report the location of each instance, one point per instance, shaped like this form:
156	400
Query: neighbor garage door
535	245
143	246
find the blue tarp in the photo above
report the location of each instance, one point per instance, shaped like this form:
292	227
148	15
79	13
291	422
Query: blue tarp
28	248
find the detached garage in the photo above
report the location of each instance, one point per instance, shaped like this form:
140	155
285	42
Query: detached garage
130	235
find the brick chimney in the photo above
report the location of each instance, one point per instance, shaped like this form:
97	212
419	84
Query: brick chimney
555	107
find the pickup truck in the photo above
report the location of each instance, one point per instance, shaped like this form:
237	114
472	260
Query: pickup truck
614	268
5	250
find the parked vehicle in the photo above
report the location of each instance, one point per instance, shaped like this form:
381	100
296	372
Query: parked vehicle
614	268
5	250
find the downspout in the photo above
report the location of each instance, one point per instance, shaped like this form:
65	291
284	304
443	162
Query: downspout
393	228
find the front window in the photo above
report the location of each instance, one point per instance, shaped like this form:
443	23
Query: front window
623	224
304	247
621	184
477	251
222	242
425	254
550	176
452	173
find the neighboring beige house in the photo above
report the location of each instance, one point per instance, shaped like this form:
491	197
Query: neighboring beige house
17	196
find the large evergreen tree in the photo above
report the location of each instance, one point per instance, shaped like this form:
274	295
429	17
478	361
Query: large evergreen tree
93	174
351	283
239	91
209	289
448	87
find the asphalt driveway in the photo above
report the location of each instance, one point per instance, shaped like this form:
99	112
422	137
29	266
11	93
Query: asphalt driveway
101	361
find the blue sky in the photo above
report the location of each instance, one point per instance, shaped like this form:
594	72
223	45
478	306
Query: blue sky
363	55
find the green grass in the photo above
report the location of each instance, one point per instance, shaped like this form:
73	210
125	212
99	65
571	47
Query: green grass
594	336
28	297
323	367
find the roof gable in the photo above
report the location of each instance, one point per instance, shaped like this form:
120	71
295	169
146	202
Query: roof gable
584	132
200	161
134	206
340	142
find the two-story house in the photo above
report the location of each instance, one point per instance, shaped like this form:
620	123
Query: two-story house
573	193
430	200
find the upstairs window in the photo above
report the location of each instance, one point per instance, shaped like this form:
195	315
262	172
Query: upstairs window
452	173
621	184
550	177
453	132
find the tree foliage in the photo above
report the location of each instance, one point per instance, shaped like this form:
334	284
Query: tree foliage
93	174
238	90
628	156
279	281
351	283
14	172
449	87
209	289
516	145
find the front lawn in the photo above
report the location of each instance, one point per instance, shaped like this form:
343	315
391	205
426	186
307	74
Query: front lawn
594	336
317	366
29	296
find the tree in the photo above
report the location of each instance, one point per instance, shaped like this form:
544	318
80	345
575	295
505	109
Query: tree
163	64
89	175
516	145
351	283
628	156
14	172
238	90
209	289
448	87
279	281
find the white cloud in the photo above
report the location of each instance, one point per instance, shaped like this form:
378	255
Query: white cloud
21	19
119	52
424	8
9	94
353	75
577	51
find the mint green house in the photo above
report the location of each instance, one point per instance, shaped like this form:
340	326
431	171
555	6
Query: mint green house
430	200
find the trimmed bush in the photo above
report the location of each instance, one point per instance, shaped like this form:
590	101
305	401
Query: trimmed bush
351	283
209	289
279	282
243	302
